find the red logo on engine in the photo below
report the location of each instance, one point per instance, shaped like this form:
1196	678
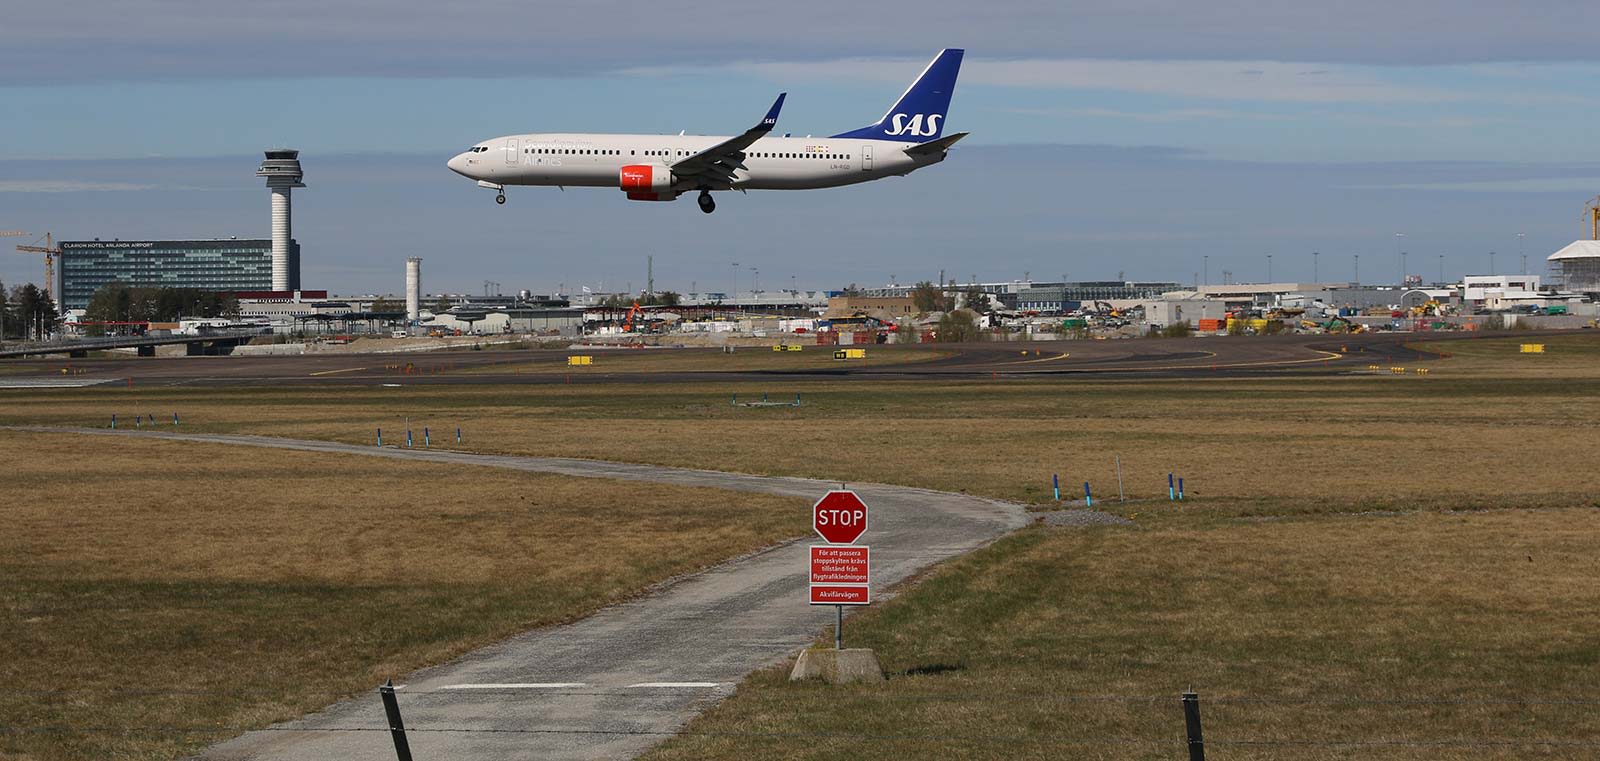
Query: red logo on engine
636	177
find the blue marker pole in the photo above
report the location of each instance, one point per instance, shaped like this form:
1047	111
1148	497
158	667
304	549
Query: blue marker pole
427	439
1088	499
138	420
1055	482
380	437
408	438
113	421
1172	493
458	435
1180	489
174	418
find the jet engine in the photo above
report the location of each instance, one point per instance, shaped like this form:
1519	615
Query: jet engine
647	182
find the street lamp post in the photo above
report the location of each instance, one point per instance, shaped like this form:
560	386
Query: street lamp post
1206	261
1358	269
1441	270
1315	278
1521	253
1491	262
1269	268
1401	256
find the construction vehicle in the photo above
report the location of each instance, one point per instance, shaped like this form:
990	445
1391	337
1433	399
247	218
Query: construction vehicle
1339	324
1429	308
627	324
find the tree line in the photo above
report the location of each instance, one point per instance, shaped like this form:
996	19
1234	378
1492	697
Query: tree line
27	312
623	301
115	302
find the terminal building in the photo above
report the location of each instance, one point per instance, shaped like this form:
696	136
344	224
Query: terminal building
221	265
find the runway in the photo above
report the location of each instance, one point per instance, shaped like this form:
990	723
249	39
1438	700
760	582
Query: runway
1241	356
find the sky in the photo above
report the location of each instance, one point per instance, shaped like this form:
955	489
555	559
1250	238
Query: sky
1142	139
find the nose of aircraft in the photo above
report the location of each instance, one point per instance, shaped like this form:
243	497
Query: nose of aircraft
459	165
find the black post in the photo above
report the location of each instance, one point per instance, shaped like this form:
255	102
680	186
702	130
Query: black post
397	728
1191	720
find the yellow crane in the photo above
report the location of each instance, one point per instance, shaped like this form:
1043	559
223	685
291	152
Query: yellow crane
50	251
1594	218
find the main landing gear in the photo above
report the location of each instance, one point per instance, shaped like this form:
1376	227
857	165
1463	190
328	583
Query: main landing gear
707	203
500	199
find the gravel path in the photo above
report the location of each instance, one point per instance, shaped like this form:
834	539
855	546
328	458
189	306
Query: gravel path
1082	518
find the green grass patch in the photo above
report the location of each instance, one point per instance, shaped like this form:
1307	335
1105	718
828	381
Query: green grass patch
1077	643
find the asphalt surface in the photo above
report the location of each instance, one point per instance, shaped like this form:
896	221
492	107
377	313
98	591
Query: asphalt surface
1178	357
615	683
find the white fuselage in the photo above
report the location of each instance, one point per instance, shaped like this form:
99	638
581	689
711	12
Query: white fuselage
772	163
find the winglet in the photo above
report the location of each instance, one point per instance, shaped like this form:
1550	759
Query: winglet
771	119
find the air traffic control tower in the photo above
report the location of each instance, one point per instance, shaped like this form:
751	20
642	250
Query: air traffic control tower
282	170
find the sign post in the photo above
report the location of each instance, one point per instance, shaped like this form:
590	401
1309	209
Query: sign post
841	571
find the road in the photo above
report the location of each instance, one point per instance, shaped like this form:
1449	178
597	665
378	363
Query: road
1160	357
615	683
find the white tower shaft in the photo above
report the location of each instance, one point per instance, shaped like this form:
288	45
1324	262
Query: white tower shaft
414	288
281	227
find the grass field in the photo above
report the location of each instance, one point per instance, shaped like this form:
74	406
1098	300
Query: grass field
1260	586
167	584
1460	436
1306	638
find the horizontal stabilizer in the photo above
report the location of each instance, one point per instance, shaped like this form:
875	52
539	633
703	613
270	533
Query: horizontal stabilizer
936	146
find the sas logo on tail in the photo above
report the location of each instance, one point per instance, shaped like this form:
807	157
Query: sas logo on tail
899	125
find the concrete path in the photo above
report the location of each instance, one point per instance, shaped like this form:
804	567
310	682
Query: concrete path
615	683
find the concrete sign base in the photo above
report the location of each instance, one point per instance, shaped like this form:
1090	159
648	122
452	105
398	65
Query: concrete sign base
838	666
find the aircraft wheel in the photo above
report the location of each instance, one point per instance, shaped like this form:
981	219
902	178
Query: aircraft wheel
707	203
500	199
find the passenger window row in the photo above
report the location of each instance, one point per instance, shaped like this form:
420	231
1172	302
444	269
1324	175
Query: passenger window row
611	152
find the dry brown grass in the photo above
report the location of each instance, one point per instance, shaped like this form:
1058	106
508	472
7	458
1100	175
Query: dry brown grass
1328	443
743	359
1488	427
1023	649
243	586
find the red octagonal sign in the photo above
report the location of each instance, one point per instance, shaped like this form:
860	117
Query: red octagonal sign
839	517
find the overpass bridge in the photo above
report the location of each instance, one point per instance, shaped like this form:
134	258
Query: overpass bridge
220	342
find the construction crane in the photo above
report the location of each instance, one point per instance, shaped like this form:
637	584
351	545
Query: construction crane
1594	218
50	251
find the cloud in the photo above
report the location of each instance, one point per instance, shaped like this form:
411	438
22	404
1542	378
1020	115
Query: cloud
68	186
1573	185
1169	116
1201	80
80	40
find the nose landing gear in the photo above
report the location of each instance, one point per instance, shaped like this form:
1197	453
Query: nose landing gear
500	199
707	203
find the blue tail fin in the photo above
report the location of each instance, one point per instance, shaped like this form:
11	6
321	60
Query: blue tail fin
918	116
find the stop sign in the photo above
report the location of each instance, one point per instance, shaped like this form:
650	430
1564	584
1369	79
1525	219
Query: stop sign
839	517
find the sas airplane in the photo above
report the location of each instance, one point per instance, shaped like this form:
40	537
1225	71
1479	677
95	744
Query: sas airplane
662	167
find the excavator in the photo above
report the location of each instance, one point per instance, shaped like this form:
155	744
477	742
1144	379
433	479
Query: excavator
1337	324
627	324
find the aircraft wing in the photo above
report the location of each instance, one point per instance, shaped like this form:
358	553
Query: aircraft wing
716	165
